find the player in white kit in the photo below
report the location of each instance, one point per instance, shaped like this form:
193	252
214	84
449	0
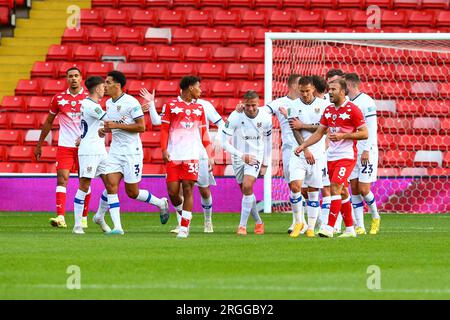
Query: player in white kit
205	176
91	150
306	170
125	158
251	132
365	171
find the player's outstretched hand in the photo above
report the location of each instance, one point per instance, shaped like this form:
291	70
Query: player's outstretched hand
283	111
309	157
299	150
38	152
240	107
249	159
365	158
166	156
147	96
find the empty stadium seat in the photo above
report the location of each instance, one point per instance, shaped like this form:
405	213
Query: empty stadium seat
223	89
428	159
309	18
445	126
113	53
281	18
59	52
142	53
167	88
238	71
426	125
34	168
143	17
91	17
9	167
410	141
398	158
116	17
252	55
23	121
151	138
39	103
435	4
156	154
237	35
100	35
44	69
245	86
167	53
409	4
199	18
64	66
129	35
75	35
131	70
421	18
379	3
436	142
171	18
5	120
227	18
211	70
438	172
394	18
179	70
224	54
28	87
98	69
13	103
153	169
21	153
254	18
134	87
181	35
336	18
4	16
155	70
211	35
49	154
395	125
229	105
258	71
53	86
86	53
197	54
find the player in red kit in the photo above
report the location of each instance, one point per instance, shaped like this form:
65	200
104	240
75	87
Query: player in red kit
66	105
183	131
345	124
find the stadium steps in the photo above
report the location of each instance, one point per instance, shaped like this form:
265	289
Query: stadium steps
31	40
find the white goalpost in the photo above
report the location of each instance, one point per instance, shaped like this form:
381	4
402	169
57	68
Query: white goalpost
406	73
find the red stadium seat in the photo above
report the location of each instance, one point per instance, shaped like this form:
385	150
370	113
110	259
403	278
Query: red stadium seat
105	3
258	71
437	107
199	18
435	4
269	4
131	3
433	142
133	87
86	53
53	86
197	54
9	167
389	172
218	170
254	18
64	66
426	125
306	18
151	138
410	142
28	87
101	35
156	154
245	86
350	4
213	3
116	17
167	53
394	18
386	141
227	18
143	18
181	35
21	153
425	88
281	18
11	137
140	53
179	70
336	18
224	54
34	168
5	121
238	71
49	154
4	16
39	104
408	4
445	126
171	18
443	18
238	35
438	172
211	35
111	52
379	3
42	117
223	89
297	4
167	88
13	103
446	162
397	158
229	105
91	17
130	35
23	121
155	70
74	35
98	68
131	70
428	159
252	55
153	169
396	89
328	4
44	69
421	18
211	70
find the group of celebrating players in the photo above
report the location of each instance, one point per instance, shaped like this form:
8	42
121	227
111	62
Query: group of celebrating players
319	150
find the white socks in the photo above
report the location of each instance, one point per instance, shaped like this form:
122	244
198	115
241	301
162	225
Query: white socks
255	213
102	206
186	218
296	203
207	208
370	200
358	209
326	202
313	209
247	205
114	210
146	196
78	206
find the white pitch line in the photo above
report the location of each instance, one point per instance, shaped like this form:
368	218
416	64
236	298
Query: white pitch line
221	287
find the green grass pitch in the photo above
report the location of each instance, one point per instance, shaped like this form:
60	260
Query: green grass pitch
412	252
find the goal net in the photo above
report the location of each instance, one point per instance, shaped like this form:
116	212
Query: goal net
408	76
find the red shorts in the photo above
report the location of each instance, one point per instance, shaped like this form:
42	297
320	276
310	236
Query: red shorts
67	158
339	171
182	170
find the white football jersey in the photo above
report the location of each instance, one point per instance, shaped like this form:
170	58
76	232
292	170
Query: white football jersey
248	134
126	109
273	107
91	116
368	108
211	116
310	114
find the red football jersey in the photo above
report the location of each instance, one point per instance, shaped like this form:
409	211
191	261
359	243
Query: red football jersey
185	121
67	107
344	119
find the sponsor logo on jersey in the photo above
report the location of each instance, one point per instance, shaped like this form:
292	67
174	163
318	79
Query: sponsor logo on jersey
98	110
259	125
73	103
334	117
187	124
118	108
89	169
188	112
227	124
317	110
251	138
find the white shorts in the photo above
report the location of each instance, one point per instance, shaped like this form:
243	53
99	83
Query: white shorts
242	169
311	175
286	154
367	173
92	166
325	176
129	165
205	177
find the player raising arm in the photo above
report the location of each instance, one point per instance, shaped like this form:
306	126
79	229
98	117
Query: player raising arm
345	124
251	131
